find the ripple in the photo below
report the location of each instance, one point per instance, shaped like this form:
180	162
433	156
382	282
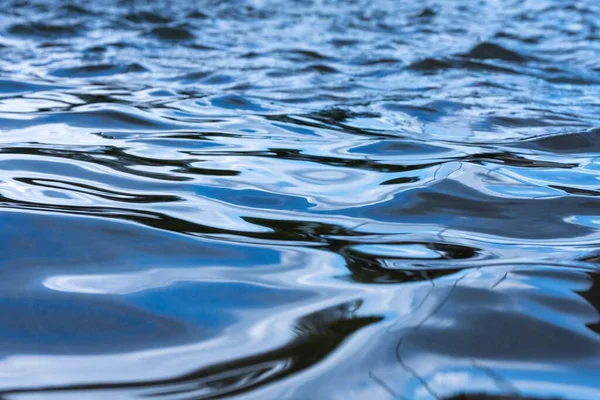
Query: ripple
41	29
569	143
15	88
96	70
146	16
105	117
171	33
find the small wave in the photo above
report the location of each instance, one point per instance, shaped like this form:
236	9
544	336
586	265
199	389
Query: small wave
96	70
41	29
147	17
172	33
569	143
489	50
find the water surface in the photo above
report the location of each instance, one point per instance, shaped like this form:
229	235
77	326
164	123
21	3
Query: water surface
321	199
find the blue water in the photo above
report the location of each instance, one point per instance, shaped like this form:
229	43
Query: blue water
317	199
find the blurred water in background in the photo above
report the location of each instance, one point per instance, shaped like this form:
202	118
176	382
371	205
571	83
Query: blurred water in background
317	199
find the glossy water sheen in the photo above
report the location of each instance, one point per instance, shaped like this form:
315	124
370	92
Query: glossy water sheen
326	199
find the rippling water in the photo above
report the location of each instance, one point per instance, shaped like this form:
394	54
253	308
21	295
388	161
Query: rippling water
317	199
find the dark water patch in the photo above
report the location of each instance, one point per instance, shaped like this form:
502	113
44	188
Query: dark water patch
193	77
53	45
489	50
569	143
100	49
515	122
199	46
218	79
42	29
432	65
170	33
467	210
336	115
97	49
95	70
339	42
147	17
75	9
198	15
205	78
401	180
427	12
234	102
321	69
12	88
301	55
376	61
